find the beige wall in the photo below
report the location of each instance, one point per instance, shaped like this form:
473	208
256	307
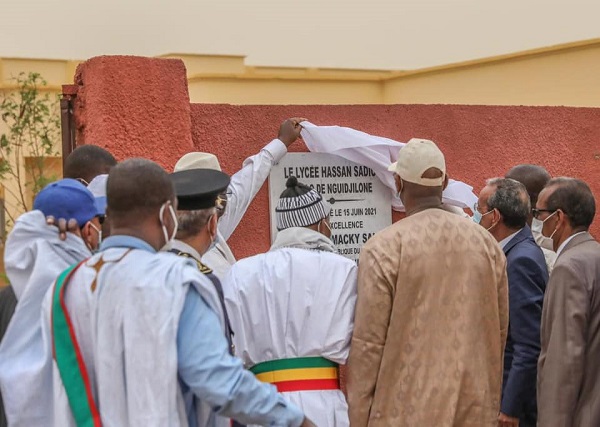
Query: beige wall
568	77
276	91
558	75
55	73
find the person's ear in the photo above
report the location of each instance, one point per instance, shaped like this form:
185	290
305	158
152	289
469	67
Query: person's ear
496	216
561	219
166	217
86	232
398	182
446	180
212	224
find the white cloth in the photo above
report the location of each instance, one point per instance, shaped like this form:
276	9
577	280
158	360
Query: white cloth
546	245
220	258
34	258
293	302
550	257
377	153
242	189
125	313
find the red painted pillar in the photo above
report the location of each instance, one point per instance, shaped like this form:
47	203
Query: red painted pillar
134	107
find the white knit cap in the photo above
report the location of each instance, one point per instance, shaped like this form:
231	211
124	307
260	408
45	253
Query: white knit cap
307	208
197	160
97	187
415	158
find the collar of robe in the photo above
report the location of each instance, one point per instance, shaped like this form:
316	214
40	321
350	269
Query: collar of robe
303	238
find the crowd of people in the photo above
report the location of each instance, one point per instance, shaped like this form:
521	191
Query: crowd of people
126	306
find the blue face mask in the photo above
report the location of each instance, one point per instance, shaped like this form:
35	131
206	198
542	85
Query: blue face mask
478	215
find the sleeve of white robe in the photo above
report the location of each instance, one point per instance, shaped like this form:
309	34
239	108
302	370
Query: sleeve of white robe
219	379
247	182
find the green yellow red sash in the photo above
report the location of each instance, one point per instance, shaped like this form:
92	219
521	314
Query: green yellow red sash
299	374
69	358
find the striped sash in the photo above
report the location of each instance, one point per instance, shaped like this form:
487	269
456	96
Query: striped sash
299	374
69	359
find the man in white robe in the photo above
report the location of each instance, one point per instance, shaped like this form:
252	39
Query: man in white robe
34	257
244	186
292	308
132	329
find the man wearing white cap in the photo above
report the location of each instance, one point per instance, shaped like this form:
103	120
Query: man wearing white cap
432	311
244	186
292	308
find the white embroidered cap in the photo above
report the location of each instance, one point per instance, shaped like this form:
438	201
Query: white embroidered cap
300	206
415	158
197	160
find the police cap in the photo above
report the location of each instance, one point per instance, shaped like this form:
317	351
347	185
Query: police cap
198	188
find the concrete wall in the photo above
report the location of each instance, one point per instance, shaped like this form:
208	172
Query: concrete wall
139	106
479	142
134	107
551	77
283	92
567	74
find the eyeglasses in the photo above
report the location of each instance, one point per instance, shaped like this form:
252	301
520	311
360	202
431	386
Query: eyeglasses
476	208
536	212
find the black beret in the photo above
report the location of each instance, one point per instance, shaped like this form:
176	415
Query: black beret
199	188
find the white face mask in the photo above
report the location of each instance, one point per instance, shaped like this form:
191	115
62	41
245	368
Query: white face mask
99	231
540	239
168	240
214	242
326	225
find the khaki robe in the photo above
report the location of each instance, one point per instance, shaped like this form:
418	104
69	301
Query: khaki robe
569	364
430	327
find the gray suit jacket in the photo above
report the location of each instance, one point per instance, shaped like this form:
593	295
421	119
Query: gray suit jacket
569	365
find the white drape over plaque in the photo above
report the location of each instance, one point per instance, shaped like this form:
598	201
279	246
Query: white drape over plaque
376	153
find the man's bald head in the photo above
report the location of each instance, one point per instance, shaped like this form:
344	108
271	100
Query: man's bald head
136	189
533	177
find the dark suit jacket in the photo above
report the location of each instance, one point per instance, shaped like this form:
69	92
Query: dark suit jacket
569	366
527	279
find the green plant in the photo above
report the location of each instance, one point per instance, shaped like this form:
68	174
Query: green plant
32	131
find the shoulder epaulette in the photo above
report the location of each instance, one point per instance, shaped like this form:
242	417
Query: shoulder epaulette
204	269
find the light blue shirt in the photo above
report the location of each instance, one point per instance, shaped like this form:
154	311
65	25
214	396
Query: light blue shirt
209	371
